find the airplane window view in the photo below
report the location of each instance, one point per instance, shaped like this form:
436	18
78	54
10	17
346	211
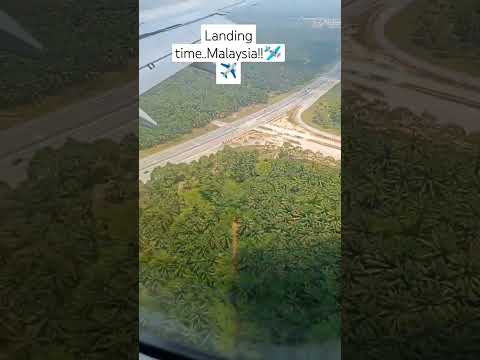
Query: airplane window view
240	184
256	120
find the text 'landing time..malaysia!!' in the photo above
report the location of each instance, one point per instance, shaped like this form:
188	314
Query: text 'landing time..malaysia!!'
228	46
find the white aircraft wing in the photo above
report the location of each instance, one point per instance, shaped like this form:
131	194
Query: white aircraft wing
173	22
14	38
155	62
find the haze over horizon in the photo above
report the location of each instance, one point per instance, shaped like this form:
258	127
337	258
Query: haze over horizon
154	9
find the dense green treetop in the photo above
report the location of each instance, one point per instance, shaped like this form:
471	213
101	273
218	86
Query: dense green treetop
244	246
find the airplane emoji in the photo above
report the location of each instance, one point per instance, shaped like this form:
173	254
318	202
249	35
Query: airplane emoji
230	69
273	53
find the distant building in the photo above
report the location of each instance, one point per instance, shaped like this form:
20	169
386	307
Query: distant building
331	23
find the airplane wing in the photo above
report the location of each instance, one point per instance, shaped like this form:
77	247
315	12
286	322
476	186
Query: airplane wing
159	30
148	120
234	74
225	66
173	22
14	38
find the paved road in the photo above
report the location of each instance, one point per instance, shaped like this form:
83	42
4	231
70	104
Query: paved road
317	94
406	81
111	115
214	141
392	8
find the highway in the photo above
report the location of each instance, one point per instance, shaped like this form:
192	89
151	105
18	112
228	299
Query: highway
308	102
111	115
404	80
214	141
115	114
391	9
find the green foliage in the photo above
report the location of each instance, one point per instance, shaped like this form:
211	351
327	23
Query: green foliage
326	112
278	284
410	249
72	53
448	23
442	32
191	99
68	272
